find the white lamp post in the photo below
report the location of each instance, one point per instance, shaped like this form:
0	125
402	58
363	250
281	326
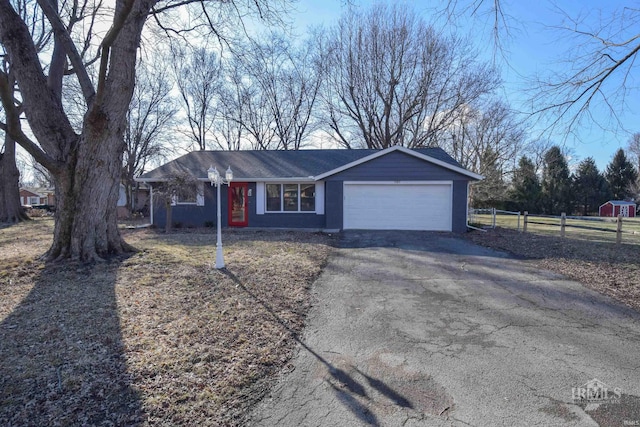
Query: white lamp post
216	178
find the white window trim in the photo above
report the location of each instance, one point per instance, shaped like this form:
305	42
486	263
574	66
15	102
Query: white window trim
199	197
261	198
320	198
200	194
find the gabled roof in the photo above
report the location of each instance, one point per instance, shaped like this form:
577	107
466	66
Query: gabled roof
618	203
297	165
426	154
41	192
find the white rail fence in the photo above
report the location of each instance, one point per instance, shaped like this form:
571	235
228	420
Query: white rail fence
487	218
493	212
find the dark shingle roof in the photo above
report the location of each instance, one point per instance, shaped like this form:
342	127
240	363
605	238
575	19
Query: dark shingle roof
272	164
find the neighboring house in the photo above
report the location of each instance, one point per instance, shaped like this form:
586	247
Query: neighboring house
141	202
392	189
618	207
30	196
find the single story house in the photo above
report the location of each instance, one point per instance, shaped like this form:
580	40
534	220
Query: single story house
618	207
37	196
392	189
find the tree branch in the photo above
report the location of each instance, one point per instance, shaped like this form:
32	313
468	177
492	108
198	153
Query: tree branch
105	47
14	129
64	38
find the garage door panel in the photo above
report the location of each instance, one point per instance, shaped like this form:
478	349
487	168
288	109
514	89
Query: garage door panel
397	206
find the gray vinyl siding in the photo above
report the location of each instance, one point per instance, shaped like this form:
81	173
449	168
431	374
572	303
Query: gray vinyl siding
459	219
192	215
333	204
397	166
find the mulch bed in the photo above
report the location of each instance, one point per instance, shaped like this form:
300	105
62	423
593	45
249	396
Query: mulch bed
156	338
605	267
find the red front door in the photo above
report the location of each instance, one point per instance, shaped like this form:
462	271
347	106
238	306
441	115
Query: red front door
238	206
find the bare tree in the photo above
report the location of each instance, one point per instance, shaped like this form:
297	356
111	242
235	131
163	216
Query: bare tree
493	128
198	77
149	117
230	133
394	80
597	69
289	77
86	164
10	207
633	150
41	176
246	109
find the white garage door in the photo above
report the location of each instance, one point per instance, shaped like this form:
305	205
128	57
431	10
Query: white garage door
397	206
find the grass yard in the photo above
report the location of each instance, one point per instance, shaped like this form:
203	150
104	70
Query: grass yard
575	228
157	338
610	269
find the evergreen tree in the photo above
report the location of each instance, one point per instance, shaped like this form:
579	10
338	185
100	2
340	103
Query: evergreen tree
556	183
525	190
590	187
621	176
491	191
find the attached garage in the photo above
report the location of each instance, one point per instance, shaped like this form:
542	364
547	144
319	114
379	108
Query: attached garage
398	205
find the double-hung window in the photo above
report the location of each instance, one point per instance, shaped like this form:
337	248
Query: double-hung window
291	197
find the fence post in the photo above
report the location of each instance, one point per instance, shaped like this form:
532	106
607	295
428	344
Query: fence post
518	221
524	221
563	223
619	230
493	222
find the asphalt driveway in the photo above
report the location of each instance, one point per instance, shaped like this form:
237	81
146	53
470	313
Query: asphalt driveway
427	329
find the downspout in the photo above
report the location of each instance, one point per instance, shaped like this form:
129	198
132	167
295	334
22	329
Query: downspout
151	203
467	221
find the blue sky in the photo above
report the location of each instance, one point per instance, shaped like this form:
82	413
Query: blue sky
533	47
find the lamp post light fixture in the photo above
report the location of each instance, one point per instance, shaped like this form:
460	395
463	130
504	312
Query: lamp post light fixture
217	180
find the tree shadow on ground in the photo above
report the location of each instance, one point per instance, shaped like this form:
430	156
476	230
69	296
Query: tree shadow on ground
62	355
387	391
347	389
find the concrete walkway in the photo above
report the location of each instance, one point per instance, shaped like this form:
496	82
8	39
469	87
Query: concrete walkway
413	329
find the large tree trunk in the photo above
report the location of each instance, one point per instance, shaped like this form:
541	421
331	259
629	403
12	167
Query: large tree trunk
86	217
10	209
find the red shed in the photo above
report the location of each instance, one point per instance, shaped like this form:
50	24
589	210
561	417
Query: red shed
618	207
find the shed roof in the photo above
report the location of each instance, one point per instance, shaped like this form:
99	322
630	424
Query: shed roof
280	164
619	203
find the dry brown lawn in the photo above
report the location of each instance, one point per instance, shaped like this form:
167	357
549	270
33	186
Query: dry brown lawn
613	270
157	338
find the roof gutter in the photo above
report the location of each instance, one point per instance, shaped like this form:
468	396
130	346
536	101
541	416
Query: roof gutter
240	179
